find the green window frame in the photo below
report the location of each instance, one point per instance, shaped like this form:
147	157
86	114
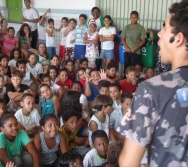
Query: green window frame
14	8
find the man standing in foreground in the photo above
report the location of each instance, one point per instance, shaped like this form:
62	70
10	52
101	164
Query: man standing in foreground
159	112
30	16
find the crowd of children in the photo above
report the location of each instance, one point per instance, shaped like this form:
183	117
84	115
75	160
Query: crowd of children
64	110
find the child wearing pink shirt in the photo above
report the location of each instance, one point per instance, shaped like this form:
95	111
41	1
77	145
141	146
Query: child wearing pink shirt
9	41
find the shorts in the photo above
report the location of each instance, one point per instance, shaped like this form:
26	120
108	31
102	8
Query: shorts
107	54
79	51
51	51
62	51
41	41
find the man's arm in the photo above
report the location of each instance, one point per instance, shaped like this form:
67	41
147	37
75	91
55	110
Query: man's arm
131	154
123	40
43	16
30	20
133	50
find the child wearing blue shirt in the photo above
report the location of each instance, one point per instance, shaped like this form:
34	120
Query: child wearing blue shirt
117	115
80	47
50	102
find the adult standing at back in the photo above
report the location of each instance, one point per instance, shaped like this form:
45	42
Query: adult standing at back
99	21
159	112
133	38
31	17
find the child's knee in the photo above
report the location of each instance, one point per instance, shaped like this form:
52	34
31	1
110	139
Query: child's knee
17	161
27	160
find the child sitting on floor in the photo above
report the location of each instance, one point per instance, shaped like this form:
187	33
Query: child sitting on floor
69	130
104	88
69	65
112	69
28	116
15	91
50	102
118	113
56	89
115	92
15	55
63	81
81	75
129	84
47	143
98	155
149	73
53	73
100	120
14	142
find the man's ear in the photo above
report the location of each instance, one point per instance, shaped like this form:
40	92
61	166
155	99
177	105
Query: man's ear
21	103
42	128
180	39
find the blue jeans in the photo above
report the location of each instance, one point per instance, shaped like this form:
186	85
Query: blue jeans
25	161
51	51
41	41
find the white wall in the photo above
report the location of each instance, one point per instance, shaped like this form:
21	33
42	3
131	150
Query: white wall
64	4
152	12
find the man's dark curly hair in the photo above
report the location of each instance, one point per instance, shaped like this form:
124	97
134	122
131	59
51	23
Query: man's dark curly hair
114	151
179	19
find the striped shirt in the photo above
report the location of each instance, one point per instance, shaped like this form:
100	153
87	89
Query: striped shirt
80	33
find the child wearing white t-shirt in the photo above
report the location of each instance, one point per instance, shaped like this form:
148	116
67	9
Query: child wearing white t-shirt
107	35
70	35
34	67
50	37
28	117
98	155
63	28
15	55
42	28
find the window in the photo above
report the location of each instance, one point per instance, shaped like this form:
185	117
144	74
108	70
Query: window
14	8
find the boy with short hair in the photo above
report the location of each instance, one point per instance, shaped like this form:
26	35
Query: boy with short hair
118	114
15	91
133	38
28	116
28	78
129	84
80	46
56	89
50	37
63	81
112	69
84	63
115	92
104	88
98	155
92	84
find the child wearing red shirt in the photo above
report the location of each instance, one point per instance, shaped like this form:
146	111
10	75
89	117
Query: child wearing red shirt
129	84
63	79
